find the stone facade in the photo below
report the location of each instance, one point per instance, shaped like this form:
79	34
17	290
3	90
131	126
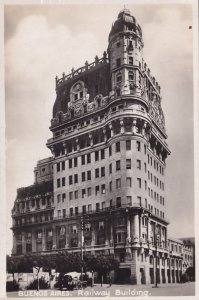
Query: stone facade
108	167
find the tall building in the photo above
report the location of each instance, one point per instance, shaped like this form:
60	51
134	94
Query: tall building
108	166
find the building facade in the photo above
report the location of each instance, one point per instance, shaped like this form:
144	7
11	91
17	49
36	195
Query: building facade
107	168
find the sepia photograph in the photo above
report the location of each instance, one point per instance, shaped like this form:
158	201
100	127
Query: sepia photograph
99	148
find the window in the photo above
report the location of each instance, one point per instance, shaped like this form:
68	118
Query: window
96	155
70	163
128	145
139	182
102	171
58	198
89	207
97	190
138	164
71	211
110	150
76	211
103	189
119	77
101	225
117	165
145	167
71	196
83	176
117	147
131	75
129	200
97	206
118	201
102	154
70	179
110	168
130	60
110	186
63	181
64	213
129	181
97	173
83	209
139	200
88	175
83	193
75	162
63	165
58	183
76	178
138	146
128	164
76	194
118	62
145	203
88	158
58	167
111	203
118	183
89	191
83	159
145	149
145	184
63	197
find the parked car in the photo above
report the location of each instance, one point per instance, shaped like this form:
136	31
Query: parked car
72	280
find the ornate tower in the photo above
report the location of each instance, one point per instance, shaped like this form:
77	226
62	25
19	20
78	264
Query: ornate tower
125	53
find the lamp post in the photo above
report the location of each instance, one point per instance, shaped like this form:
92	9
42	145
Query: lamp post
157	237
82	245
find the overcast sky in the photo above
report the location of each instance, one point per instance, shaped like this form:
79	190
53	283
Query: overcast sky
44	41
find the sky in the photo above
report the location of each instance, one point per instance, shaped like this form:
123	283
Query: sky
43	41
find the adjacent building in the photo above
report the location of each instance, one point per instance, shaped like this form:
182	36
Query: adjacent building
107	170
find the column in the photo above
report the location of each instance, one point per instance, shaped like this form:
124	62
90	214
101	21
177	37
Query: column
65	148
43	239
105	135
147	267
23	243
144	128
33	242
148	230
160	269
14	248
54	237
91	139
136	229
77	144
134	126
111	128
134	268
52	150
121	126
128	227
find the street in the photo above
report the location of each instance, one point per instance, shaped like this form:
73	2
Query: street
185	289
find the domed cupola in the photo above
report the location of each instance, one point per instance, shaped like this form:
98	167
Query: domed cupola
125	22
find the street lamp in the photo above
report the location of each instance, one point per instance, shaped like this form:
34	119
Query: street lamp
83	223
157	237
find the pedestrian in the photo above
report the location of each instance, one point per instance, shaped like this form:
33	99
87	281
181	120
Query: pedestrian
109	280
101	280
